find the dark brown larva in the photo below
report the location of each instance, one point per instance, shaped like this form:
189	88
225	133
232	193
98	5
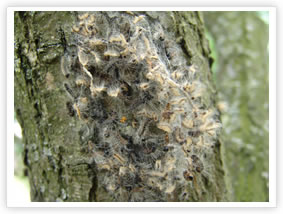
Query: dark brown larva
188	175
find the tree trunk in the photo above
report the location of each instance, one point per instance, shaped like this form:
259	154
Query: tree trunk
117	106
241	44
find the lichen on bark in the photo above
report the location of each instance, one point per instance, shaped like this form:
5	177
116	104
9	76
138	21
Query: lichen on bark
117	106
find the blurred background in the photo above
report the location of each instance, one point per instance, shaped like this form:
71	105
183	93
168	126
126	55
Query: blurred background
21	184
239	46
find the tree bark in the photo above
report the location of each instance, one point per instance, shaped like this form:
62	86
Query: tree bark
117	106
241	44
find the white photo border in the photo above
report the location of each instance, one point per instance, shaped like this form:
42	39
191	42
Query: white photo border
272	111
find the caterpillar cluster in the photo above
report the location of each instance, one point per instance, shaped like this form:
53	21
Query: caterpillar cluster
145	125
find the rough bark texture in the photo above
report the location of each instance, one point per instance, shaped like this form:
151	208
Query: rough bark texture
117	106
241	44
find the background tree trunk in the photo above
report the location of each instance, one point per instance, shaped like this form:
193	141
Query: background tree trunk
117	106
241	45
